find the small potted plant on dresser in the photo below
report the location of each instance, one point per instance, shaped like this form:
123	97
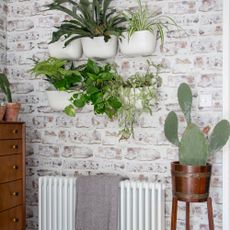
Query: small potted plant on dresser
191	174
95	22
144	28
2	110
12	108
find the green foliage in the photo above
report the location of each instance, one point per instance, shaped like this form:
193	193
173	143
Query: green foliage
219	136
143	19
99	88
138	95
171	128
194	148
89	19
60	73
5	86
185	101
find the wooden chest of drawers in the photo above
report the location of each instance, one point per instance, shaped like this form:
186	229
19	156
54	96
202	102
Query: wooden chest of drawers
12	176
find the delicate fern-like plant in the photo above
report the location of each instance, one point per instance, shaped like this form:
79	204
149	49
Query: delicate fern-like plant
89	19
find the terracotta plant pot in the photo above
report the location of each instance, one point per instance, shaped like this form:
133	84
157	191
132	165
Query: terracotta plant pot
12	111
190	183
2	111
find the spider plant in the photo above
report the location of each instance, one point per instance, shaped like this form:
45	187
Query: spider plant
143	19
89	19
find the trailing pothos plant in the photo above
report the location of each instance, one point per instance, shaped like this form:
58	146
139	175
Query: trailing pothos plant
88	19
138	95
99	88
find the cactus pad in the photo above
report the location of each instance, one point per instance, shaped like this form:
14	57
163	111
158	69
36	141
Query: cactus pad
193	149
171	128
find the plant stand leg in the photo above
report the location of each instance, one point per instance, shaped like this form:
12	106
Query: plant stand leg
187	216
210	214
174	214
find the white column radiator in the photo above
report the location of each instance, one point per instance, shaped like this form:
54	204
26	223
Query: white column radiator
141	204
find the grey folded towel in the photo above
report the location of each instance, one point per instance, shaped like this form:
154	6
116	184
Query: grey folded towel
97	202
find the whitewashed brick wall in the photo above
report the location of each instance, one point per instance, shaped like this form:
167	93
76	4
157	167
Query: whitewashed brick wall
3	22
59	145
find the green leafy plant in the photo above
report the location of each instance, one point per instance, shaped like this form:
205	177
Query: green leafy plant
5	86
60	73
138	95
194	147
142	19
99	88
89	19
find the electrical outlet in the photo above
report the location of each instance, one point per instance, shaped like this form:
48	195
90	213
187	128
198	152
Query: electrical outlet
205	100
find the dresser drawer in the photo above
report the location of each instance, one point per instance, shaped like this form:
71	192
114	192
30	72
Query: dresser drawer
12	219
10	131
8	147
10	194
11	168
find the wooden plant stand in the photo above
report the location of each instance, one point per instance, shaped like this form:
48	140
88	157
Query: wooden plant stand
190	184
174	213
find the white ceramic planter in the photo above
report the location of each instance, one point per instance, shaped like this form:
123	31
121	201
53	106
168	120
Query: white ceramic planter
141	43
71	52
97	48
58	100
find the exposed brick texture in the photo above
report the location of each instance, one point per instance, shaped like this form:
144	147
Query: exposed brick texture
89	144
3	22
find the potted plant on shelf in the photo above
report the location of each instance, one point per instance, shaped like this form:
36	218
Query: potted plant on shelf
72	51
64	80
99	88
191	174
98	26
138	95
144	27
12	108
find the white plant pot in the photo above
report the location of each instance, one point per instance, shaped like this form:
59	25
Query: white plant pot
97	48
73	51
58	100
141	43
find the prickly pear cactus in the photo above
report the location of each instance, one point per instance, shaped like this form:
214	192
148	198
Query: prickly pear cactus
194	147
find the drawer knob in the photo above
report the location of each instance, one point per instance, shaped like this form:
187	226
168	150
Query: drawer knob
15	193
15	220
15	131
15	147
15	167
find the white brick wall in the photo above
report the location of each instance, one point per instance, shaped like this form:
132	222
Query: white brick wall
57	144
3	22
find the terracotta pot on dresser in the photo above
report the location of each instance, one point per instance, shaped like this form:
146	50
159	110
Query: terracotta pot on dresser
2	111
12	176
12	111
